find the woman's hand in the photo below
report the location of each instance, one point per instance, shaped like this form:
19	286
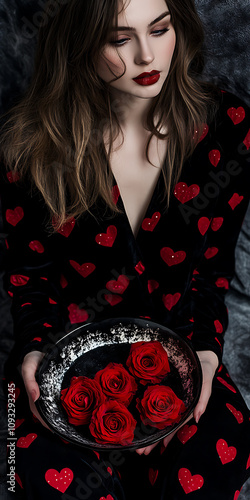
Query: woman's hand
29	367
209	364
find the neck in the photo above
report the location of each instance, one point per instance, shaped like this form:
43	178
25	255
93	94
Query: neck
131	110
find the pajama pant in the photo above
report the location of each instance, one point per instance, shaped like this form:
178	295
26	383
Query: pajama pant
205	461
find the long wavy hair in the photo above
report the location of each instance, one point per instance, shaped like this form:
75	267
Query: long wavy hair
55	132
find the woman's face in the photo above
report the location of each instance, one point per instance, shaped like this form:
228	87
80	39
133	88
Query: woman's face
148	47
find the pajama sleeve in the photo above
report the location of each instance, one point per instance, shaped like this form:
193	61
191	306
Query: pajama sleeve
32	271
215	269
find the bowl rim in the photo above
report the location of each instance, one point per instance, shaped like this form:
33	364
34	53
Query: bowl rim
92	445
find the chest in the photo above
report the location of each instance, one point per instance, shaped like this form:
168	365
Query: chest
137	178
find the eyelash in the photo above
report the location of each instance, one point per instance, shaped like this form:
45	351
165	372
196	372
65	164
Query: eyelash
118	42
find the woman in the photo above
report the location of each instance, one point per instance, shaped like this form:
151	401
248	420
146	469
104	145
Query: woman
142	179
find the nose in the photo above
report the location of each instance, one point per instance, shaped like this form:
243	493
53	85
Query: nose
144	53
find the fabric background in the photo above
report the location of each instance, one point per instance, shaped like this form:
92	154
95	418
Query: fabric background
227	28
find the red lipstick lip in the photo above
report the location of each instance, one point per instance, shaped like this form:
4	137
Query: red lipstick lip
143	75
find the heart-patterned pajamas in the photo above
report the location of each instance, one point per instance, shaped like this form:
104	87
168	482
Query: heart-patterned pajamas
175	272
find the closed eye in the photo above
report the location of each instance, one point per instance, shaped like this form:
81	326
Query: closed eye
121	42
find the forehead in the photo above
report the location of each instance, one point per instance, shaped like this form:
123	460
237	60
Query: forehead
140	13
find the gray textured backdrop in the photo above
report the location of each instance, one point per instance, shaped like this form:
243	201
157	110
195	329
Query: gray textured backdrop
227	27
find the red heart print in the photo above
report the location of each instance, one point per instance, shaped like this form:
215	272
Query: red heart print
51	301
18	422
16	391
97	454
222	283
107	239
13	217
63	440
140	268
149	224
77	315
236	495
237	115
186	432
211	252
152	475
13	176
204	133
152	285
188	482
185	193
118	286
214	157
216	223
217	340
109	497
25	442
203	225
226	453
85	269
230	387
67	228
115	194
38	339
36	246
235	200
218	326
172	258
170	300
63	281
113	299
237	414
19	279
18	480
59	480
248	463
247	140
163	448
109	470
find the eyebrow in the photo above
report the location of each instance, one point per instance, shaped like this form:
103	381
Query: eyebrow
128	28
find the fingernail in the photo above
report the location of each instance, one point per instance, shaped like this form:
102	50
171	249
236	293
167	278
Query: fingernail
198	416
33	395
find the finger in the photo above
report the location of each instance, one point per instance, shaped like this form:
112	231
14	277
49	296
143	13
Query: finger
29	367
168	438
203	400
146	450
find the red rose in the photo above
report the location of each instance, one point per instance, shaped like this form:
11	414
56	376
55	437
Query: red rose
80	399
112	423
148	361
117	383
160	407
